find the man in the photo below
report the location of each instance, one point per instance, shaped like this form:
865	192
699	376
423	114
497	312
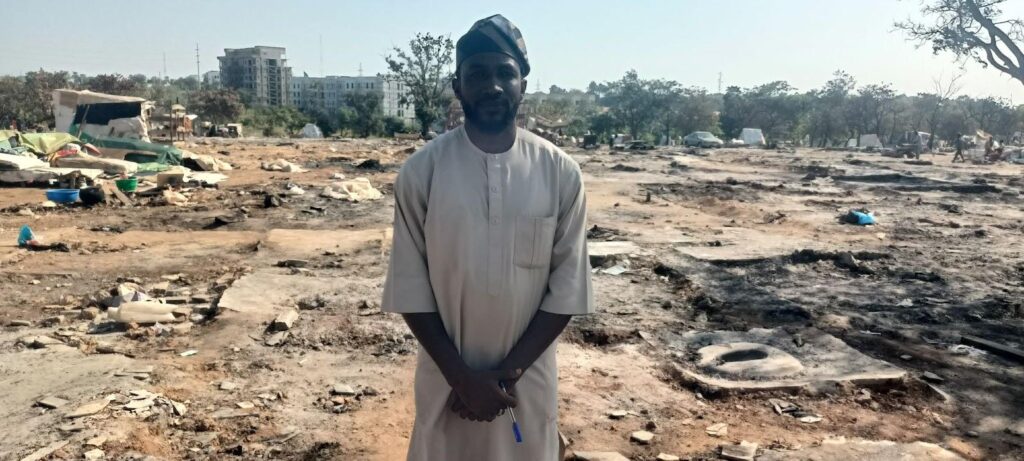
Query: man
489	263
959	156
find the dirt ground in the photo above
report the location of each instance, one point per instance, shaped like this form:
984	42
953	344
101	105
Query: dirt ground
729	239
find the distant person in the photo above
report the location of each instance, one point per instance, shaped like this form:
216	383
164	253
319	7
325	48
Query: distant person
488	265
959	156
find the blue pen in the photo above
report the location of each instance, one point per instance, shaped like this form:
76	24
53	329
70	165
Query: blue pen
515	422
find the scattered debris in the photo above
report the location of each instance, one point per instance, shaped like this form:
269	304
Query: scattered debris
641	437
743	451
717	430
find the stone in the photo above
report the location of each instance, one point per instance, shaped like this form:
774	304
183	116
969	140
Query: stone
52	402
246	405
1016	428
46	451
97	441
181	329
809	419
717	430
76	426
143	369
228	386
201	299
89	313
932	377
141	404
743	451
285	320
973	434
89	409
295	263
39	342
905	357
227	413
863	395
20	323
666	457
342	389
642	437
617	414
94	454
176	300
598	456
651	426
842	449
179	408
189	353
276	339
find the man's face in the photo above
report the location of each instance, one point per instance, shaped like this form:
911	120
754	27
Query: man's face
490	89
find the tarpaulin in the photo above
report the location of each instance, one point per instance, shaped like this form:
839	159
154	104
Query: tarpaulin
102	114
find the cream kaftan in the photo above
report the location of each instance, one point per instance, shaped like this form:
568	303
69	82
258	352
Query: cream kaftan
485	240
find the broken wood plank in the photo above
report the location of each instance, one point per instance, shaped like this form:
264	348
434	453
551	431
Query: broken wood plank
112	189
993	347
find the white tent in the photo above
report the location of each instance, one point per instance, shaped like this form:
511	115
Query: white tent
870	140
311	131
752	137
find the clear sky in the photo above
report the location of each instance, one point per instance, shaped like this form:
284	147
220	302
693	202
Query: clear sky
570	42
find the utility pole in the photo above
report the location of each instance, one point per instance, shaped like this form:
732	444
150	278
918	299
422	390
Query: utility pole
719	83
199	78
360	69
165	65
321	55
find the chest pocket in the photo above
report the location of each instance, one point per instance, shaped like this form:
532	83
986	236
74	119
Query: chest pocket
534	239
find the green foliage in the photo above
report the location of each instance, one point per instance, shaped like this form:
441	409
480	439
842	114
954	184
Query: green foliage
116	84
604	125
29	98
424	72
368	107
217	106
275	120
394	125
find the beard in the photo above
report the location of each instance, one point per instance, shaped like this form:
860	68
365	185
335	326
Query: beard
487	123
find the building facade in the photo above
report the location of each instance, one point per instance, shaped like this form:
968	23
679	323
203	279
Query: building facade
260	73
328	93
212	78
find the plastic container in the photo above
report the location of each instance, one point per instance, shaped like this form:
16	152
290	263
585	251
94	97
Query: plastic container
25	236
128	184
62	195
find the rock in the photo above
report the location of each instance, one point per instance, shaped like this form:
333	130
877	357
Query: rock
370	392
905	357
651	426
196	318
717	430
181	329
176	300
285	320
46	451
1016	428
598	456
201	299
189	353
666	457
932	377
809	419
53	321
140	404
94	454
76	426
89	313
246	405
52	402
296	263
39	342
96	441
617	414
973	434
271	201
276	339
342	389
20	323
228	386
89	409
863	395
642	437
744	451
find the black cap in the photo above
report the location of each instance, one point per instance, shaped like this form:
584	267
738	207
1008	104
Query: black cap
493	34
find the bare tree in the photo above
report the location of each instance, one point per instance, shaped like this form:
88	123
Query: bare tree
972	29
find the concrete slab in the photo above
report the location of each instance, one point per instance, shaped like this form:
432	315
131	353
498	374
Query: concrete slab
823	360
864	450
268	292
612	248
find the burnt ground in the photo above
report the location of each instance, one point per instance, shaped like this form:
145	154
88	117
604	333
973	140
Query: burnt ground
729	240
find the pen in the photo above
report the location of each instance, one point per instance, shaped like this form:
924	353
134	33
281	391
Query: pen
515	422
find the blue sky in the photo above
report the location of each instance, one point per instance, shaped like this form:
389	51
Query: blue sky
570	42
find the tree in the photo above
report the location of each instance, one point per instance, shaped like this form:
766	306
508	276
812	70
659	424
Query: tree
828	121
217	106
972	29
275	120
29	99
425	73
369	112
604	125
394	125
630	100
115	84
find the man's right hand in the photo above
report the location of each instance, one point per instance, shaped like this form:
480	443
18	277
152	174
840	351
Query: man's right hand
478	396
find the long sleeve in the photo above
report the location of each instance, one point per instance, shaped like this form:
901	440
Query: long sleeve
569	289
407	288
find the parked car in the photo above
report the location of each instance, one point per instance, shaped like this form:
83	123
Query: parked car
702	139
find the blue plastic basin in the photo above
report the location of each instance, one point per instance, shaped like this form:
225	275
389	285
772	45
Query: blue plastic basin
62	195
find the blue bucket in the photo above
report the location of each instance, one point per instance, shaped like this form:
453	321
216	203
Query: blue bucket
62	195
